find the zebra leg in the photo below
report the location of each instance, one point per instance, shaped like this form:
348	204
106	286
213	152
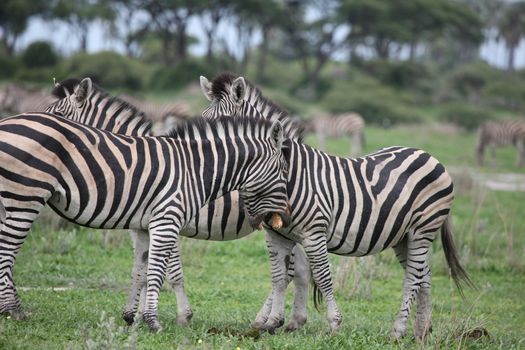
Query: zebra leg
271	316
16	223
520	146
317	253
140	240
417	276
176	279
162	241
301	279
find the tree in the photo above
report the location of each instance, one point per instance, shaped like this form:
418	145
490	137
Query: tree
14	16
79	14
511	27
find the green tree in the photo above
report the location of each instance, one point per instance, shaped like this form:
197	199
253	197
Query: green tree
14	16
79	14
511	27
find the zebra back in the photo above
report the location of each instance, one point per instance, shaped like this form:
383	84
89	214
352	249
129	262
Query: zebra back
86	103
501	133
337	125
232	95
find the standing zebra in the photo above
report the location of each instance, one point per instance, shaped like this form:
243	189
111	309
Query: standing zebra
340	125
16	99
221	220
501	133
104	180
394	198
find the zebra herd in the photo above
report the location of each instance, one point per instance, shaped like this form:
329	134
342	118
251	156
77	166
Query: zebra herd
243	166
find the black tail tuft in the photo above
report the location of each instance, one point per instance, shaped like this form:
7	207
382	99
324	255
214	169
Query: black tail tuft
458	273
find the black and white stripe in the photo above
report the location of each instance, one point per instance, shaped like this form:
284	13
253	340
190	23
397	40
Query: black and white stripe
495	134
394	198
341	125
104	180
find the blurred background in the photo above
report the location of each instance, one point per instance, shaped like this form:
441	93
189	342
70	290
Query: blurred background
458	61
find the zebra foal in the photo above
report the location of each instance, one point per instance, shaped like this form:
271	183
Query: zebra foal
495	134
337	126
396	198
152	184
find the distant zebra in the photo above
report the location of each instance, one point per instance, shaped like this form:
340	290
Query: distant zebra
17	98
104	180
340	125
164	115
394	198
221	220
501	133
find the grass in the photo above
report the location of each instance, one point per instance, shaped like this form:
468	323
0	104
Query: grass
228	281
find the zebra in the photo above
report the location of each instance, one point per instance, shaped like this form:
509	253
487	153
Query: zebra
340	125
154	185
501	133
221	220
17	98
396	197
164	115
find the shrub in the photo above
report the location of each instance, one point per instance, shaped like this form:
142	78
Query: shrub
8	67
375	102
108	69
180	75
39	54
464	115
402	74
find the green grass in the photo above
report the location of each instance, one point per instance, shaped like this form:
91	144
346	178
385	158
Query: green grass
228	281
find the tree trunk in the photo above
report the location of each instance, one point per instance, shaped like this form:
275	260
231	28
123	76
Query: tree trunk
181	42
263	51
510	61
412	51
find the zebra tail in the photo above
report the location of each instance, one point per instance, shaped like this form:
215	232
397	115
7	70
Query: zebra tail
317	296
458	273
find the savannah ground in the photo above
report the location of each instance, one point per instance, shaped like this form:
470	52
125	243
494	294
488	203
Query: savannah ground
227	282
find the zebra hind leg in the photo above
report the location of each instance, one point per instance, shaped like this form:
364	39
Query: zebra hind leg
301	279
176	279
16	223
140	240
413	257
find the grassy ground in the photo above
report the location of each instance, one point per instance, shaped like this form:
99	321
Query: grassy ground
227	282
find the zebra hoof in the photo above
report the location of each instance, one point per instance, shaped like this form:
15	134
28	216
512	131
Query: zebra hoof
129	317
294	325
15	313
152	320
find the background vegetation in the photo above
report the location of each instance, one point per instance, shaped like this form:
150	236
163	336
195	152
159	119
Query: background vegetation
412	68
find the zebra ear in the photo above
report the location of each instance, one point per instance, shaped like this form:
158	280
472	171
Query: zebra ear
277	134
238	89
206	88
83	90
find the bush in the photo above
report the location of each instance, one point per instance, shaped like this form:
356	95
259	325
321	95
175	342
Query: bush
402	74
108	69
8	67
180	75
375	102
508	93
464	115
37	75
39	54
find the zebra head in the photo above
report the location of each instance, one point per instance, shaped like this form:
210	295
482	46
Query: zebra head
226	95
72	95
265	186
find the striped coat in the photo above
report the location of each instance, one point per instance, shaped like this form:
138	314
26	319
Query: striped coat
495	134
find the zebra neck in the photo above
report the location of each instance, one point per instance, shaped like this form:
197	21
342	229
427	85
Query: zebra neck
219	166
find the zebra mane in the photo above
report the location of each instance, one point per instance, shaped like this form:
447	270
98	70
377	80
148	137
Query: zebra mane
269	109
134	115
223	127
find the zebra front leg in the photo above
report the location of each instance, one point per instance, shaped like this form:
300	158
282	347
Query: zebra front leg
176	279
417	277
520	159
279	251
301	278
136	294
162	241
16	224
317	253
